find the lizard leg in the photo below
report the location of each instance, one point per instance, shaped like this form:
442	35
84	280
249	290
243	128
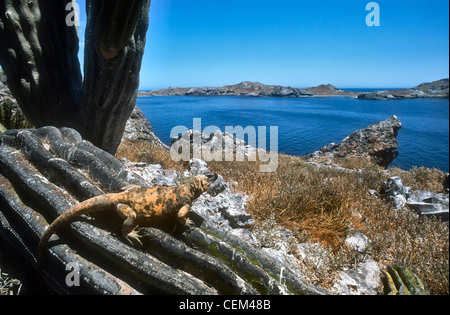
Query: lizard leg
182	215
129	226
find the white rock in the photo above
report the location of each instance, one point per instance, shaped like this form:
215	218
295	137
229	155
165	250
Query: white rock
357	242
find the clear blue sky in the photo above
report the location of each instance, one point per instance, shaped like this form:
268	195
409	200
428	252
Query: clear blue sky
293	42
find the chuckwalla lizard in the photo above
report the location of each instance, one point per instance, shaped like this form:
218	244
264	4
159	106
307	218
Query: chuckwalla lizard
137	207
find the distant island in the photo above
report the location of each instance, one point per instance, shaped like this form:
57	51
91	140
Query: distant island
438	88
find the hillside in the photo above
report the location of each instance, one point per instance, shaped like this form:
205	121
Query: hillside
438	88
253	89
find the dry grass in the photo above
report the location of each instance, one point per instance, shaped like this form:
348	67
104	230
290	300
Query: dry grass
355	162
144	151
300	196
419	243
324	205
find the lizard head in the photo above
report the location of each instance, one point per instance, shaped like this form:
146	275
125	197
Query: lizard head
201	183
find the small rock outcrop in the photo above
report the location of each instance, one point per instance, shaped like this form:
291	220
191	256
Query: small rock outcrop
138	128
376	144
3	86
422	202
446	183
362	280
216	142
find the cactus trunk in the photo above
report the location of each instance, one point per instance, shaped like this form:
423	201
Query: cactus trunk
38	52
115	40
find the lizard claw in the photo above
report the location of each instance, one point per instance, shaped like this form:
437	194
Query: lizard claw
134	239
190	224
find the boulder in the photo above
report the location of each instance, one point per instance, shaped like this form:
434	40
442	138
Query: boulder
363	280
3	84
219	205
11	116
198	166
376	144
430	204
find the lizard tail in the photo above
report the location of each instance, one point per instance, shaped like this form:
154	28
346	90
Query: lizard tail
99	203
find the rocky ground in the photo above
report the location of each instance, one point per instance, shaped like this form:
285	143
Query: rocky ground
227	210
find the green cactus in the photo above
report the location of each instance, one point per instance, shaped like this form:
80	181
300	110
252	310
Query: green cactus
401	281
38	54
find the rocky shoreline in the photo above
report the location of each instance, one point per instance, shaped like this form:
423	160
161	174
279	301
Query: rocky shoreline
435	89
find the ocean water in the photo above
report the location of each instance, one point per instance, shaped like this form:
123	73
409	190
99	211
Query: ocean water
307	124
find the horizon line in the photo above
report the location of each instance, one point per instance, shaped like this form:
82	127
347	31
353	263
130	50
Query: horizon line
145	89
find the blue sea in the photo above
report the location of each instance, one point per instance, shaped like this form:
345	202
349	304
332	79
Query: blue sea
307	124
